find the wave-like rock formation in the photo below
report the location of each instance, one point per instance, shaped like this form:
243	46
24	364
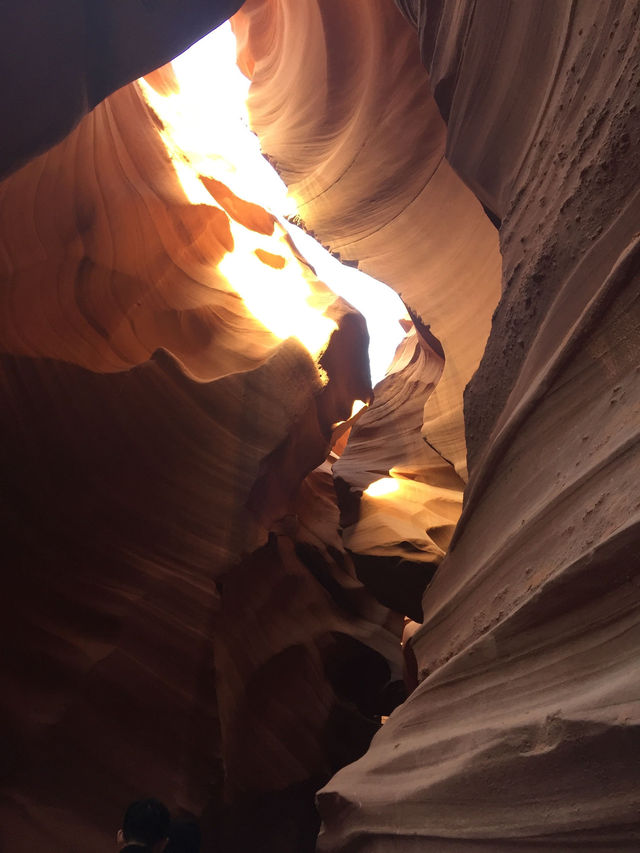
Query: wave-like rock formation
524	729
341	104
407	528
156	441
69	57
205	592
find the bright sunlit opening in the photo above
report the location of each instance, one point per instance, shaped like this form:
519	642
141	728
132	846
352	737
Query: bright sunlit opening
209	122
381	307
207	133
277	297
384	486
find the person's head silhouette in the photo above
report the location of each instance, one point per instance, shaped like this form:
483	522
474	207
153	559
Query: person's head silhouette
145	827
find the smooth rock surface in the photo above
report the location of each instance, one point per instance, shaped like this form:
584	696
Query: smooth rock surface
342	106
523	731
154	433
183	615
58	62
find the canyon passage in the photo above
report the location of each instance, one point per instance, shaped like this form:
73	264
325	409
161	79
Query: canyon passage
327	568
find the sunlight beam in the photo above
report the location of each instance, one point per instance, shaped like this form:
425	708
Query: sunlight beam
207	133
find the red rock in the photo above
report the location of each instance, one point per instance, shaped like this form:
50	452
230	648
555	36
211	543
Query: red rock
183	614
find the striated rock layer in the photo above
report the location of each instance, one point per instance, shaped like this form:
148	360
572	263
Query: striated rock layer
156	439
183	615
342	105
524	731
360	143
398	537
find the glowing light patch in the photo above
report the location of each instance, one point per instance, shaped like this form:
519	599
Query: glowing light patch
208	122
384	486
277	297
207	133
358	406
381	307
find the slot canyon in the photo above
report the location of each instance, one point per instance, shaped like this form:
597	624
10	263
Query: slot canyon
316	610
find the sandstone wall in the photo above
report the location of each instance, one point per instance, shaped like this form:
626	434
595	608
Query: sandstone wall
156	437
175	578
523	731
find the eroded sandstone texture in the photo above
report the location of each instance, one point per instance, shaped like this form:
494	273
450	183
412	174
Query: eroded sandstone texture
183	614
523	732
59	61
157	438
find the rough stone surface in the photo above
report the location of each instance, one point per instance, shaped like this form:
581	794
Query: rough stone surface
183	615
522	732
154	434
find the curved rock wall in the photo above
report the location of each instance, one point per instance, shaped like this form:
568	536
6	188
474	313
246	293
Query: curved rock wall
398	537
342	106
154	433
69	57
157	435
523	731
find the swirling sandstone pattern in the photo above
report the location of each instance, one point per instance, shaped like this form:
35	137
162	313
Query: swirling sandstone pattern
154	433
359	141
525	729
412	526
175	577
